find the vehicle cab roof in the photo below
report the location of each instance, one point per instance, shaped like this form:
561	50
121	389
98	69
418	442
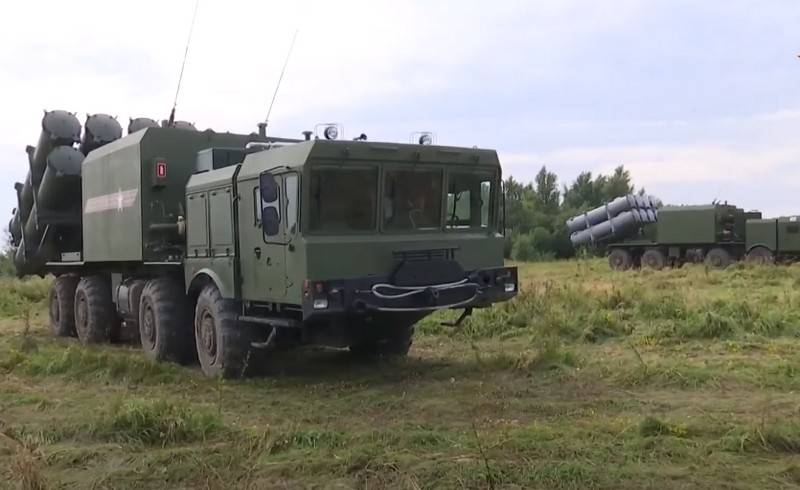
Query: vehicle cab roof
299	154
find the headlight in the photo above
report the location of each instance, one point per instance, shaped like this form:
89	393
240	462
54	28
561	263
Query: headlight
331	133
510	287
321	304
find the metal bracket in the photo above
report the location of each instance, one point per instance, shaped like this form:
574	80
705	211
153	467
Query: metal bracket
464	314
267	343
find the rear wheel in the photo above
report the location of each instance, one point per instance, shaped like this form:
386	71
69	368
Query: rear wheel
718	258
654	259
95	317
223	344
620	259
165	324
760	256
62	305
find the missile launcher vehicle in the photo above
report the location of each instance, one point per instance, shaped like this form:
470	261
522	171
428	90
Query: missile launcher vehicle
670	236
219	247
773	240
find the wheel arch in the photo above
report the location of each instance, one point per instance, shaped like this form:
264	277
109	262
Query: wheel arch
754	246
204	277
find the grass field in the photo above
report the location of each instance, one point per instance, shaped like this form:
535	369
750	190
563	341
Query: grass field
589	379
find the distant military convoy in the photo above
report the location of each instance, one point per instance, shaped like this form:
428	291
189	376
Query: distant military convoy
636	231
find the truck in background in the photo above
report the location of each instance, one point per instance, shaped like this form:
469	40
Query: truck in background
637	232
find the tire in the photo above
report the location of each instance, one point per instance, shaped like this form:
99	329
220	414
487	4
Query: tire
223	343
654	259
165	323
392	342
62	305
718	258
620	259
95	317
760	256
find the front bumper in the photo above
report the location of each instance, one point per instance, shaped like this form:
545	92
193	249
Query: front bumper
369	295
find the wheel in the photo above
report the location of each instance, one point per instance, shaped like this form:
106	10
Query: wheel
95	317
62	305
654	258
391	341
223	344
165	324
760	255
620	259
718	258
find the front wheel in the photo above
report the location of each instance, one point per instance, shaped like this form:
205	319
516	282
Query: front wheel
760	256
223	344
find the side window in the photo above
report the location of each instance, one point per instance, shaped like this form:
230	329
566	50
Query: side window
270	205
469	198
291	189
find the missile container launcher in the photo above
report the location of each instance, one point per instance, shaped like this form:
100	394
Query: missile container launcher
221	247
715	234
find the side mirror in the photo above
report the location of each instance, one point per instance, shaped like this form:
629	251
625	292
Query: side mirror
268	187
270	221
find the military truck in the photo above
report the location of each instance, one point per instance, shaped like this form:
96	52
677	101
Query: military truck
219	246
637	234
774	239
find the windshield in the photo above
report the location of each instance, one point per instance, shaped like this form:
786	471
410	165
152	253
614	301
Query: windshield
412	200
343	199
346	199
468	200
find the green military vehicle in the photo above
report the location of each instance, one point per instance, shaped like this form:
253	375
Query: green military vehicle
637	233
218	246
771	240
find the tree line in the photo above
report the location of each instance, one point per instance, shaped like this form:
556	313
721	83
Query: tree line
536	212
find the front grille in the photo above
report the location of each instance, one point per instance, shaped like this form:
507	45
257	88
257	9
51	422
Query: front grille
407	256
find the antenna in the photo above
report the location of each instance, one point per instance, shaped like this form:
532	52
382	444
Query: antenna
280	79
183	65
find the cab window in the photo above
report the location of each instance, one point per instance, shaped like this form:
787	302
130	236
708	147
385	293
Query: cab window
469	197
343	199
412	200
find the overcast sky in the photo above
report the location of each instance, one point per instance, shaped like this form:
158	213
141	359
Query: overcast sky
698	99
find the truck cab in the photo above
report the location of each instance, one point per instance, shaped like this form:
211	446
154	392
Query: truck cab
347	243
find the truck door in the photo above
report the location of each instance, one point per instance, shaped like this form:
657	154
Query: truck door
271	201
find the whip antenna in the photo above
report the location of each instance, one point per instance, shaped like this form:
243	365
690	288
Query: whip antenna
280	78
183	65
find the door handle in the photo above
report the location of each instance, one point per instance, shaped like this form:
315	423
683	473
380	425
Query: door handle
257	251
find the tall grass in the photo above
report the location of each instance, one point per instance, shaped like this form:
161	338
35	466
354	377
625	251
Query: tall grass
18	295
155	423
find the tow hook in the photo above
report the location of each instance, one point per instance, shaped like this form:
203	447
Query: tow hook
464	314
432	295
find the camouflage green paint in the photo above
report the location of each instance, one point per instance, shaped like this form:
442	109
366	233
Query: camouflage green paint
122	233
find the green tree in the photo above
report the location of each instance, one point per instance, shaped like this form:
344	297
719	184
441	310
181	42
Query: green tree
617	184
547	194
